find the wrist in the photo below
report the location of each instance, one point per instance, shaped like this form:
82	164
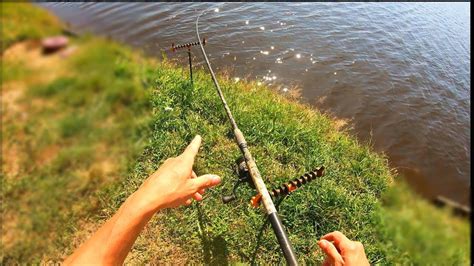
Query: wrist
136	206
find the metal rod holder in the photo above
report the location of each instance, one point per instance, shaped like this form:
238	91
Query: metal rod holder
175	47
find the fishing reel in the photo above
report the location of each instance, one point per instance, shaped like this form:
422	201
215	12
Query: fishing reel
278	192
244	177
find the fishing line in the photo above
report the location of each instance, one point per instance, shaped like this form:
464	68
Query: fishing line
214	79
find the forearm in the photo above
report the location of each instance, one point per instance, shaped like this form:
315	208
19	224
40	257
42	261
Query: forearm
112	242
173	184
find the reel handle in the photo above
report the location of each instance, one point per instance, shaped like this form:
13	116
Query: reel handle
227	199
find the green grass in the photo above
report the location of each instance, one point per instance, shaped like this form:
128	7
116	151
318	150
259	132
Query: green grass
20	21
84	123
287	139
15	71
419	233
356	195
113	107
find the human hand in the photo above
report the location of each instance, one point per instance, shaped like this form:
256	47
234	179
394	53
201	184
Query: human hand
340	250
174	183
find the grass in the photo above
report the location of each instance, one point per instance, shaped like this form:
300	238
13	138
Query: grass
294	140
21	22
76	126
420	233
107	117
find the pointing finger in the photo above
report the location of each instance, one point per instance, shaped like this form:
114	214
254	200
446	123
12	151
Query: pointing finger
193	148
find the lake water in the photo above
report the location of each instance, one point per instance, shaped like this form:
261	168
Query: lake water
399	72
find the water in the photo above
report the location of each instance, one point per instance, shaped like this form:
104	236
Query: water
400	72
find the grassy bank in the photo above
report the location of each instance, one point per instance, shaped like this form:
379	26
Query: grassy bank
81	132
70	126
17	24
420	233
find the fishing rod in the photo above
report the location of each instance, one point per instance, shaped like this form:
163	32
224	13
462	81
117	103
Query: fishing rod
253	171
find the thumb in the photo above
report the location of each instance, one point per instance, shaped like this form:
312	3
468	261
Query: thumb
205	181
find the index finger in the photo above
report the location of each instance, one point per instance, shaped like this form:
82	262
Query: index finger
193	148
338	238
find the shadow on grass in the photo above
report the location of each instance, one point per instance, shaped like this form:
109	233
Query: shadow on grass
214	248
